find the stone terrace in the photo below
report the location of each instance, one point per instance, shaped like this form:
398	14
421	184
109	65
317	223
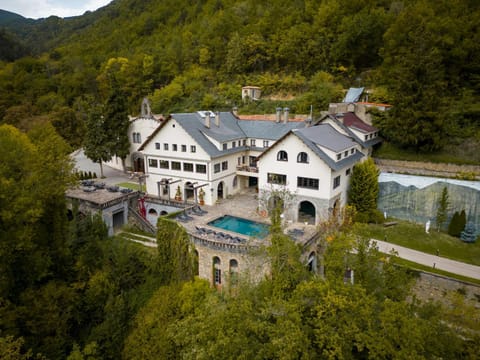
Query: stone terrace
242	205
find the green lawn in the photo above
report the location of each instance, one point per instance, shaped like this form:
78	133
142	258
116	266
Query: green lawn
129	185
413	236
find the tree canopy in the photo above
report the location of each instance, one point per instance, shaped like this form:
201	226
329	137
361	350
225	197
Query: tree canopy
422	54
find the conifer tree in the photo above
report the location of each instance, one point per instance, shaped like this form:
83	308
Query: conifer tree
364	189
469	234
442	209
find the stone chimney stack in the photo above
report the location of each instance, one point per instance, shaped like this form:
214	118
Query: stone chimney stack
286	111
207	119
217	119
279	115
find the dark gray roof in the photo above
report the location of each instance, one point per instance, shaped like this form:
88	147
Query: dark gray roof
194	125
325	135
311	140
230	129
353	95
269	130
365	144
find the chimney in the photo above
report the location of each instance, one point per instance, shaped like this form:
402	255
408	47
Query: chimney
207	119
235	111
217	119
279	115
286	110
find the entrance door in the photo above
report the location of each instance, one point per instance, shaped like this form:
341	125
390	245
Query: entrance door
117	221
220	190
139	165
189	193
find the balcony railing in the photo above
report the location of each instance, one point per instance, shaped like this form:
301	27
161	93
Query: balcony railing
252	169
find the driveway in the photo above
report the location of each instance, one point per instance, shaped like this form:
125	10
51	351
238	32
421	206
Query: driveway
438	262
112	176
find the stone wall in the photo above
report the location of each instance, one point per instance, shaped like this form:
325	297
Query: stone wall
247	264
432	287
426	168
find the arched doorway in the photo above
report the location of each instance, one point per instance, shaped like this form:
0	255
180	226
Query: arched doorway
189	194
307	212
152	216
220	190
138	162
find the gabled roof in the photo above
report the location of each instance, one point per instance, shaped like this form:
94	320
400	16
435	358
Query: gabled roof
269	130
348	129
194	125
324	135
353	121
230	128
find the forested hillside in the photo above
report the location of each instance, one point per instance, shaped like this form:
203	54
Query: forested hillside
67	291
423	57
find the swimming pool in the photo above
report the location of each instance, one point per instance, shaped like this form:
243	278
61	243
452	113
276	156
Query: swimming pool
241	226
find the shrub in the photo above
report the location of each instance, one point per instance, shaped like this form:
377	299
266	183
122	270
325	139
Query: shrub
457	224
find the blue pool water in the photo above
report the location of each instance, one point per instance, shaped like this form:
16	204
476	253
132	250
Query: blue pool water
241	226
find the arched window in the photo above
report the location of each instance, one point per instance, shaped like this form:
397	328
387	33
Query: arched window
233	271
302	157
153	212
282	156
217	272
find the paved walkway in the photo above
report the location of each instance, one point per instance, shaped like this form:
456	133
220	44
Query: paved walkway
438	262
112	176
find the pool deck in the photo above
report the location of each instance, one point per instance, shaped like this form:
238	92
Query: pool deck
242	205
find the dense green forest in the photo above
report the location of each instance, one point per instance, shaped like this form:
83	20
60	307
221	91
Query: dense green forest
69	291
423	57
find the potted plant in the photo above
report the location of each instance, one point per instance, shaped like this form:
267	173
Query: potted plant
178	194
201	197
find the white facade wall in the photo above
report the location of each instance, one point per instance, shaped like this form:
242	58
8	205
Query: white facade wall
324	198
142	126
173	134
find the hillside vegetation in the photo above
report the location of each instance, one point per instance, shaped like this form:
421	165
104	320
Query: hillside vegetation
423	57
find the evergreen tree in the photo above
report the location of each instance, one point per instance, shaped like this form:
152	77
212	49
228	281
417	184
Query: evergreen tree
462	221
469	234
453	226
364	189
176	259
457	224
442	209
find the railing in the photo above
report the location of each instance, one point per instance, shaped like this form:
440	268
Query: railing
247	168
218	245
145	224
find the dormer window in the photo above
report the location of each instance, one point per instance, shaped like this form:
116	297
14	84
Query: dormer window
225	146
339	156
265	143
282	156
345	154
352	151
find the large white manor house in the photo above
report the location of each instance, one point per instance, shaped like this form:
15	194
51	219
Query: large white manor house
214	155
